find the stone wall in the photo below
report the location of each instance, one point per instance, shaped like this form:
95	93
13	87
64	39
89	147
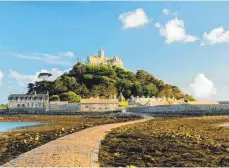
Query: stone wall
183	110
28	110
64	113
71	107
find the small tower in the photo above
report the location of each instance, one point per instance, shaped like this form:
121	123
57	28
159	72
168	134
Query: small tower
121	97
79	60
101	53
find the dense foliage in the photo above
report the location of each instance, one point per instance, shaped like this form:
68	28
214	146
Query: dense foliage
3	106
104	81
54	98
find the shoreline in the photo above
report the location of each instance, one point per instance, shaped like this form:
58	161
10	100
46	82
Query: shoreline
224	124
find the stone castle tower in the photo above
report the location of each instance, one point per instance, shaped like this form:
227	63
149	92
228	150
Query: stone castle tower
100	59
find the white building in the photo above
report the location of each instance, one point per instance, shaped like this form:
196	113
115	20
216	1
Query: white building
34	103
99	105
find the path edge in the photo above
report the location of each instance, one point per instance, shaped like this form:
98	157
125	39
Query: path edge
94	155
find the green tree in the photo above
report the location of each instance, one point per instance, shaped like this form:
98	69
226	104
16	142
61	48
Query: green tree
104	81
78	71
137	89
31	88
54	98
59	86
153	90
70	96
188	98
44	75
83	91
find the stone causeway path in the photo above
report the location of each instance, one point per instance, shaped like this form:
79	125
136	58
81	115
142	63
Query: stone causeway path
79	149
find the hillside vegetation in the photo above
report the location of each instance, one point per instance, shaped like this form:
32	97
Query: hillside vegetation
85	81
3	106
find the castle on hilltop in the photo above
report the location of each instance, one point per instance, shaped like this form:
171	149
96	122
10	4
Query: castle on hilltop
100	59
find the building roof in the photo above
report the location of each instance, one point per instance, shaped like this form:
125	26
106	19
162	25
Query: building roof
11	96
99	101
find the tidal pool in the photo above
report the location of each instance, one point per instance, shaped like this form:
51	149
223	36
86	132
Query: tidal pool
225	125
6	126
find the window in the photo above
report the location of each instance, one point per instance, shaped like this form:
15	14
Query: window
18	105
86	106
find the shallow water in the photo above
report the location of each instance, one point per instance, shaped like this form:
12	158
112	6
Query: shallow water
225	125
6	126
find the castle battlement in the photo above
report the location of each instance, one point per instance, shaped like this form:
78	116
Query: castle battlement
100	59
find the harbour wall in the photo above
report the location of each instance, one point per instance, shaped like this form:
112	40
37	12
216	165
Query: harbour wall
182	110
88	113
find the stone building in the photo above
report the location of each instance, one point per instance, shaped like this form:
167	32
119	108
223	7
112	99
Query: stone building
32	103
100	59
99	105
153	101
64	106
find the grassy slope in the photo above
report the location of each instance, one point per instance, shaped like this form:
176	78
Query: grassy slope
3	107
13	144
168	142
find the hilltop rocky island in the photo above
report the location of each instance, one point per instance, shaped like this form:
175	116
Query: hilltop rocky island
104	81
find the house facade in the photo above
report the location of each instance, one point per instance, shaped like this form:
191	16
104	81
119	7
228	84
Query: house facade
99	105
39	103
33	103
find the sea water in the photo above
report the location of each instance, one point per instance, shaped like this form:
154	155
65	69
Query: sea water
225	125
6	126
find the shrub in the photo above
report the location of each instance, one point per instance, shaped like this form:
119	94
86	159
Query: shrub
71	97
54	98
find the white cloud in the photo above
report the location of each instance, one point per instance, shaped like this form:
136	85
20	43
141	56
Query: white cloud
168	12
174	31
68	54
55	73
217	35
1	77
47	58
23	80
165	11
157	25
134	19
202	87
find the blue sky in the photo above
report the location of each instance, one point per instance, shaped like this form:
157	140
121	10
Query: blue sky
183	43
